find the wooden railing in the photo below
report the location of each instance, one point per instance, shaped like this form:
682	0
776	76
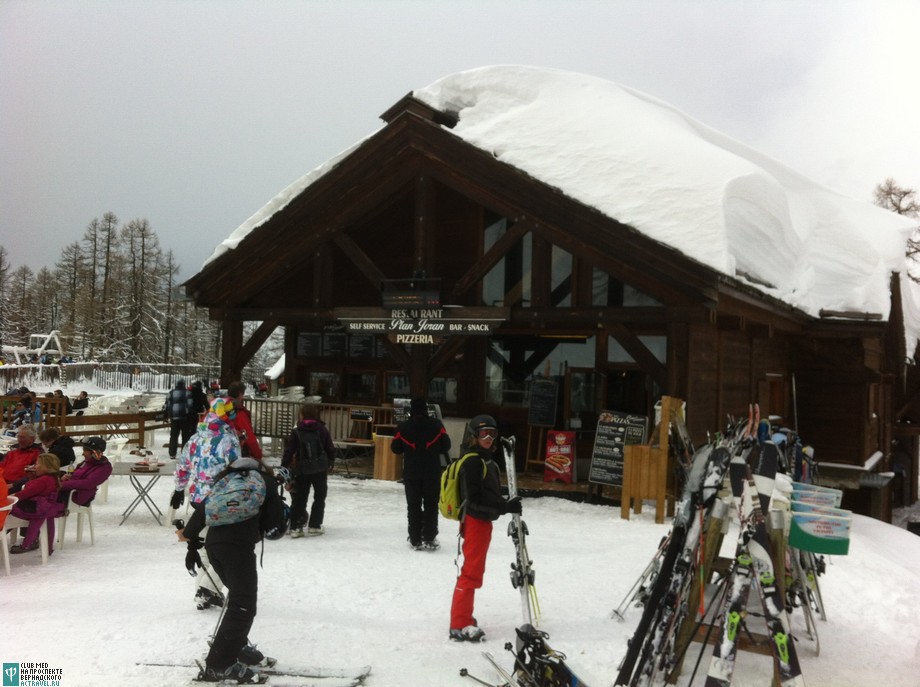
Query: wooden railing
134	425
276	418
270	418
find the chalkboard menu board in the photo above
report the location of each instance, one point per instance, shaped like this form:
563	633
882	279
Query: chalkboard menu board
542	413
361	346
308	344
333	344
614	431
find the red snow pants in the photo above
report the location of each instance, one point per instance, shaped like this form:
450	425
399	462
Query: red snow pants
477	535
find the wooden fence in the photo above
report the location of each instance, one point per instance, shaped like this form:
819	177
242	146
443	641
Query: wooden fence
276	418
139	416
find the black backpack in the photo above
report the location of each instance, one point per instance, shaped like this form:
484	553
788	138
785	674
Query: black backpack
311	454
272	520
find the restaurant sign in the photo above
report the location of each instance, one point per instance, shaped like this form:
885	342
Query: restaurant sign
421	325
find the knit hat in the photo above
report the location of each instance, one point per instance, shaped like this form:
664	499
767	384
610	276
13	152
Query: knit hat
418	406
222	408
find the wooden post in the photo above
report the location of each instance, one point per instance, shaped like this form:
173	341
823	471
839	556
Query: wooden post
645	468
540	448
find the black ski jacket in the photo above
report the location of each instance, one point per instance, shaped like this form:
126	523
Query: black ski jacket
421	440
483	494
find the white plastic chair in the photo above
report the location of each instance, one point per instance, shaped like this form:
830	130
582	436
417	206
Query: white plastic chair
80	511
11	535
7	506
114	457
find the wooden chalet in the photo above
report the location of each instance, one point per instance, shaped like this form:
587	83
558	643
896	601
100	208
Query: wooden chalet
419	264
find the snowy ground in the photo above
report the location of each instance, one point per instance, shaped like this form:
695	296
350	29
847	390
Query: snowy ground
359	595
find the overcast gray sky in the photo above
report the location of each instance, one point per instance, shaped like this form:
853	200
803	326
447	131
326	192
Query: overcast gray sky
194	114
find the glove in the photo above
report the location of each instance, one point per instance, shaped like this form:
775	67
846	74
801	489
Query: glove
193	558
178	498
513	506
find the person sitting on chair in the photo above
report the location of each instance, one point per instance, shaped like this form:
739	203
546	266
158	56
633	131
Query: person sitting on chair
58	444
81	404
16	460
38	502
93	471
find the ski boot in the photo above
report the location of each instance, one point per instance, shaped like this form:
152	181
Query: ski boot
238	673
205	598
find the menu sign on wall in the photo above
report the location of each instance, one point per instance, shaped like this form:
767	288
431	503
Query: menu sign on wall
542	407
615	430
559	461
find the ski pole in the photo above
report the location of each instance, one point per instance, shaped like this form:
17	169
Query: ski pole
465	673
220	618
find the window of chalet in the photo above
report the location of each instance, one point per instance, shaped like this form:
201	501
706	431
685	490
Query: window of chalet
658	345
326	385
442	390
397	385
609	292
561	280
514	361
361	387
508	282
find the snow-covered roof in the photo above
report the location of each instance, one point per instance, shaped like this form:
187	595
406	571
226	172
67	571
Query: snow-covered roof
646	164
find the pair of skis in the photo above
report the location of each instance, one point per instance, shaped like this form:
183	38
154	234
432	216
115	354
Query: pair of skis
271	674
535	663
522	572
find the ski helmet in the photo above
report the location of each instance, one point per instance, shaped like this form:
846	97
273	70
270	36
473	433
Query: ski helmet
482	422
95	444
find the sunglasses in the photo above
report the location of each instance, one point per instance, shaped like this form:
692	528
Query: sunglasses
487	434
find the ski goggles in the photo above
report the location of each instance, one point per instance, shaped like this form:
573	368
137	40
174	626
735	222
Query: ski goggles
487	434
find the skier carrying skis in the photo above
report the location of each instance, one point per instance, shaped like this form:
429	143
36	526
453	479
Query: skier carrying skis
480	487
421	440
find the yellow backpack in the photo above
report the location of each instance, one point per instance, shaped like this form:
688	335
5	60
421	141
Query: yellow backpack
450	502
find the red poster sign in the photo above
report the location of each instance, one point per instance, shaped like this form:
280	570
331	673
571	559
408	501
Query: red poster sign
559	463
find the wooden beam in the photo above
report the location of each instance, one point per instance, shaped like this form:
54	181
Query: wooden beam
644	357
425	225
283	315
445	353
362	260
730	323
231	336
490	258
398	353
259	337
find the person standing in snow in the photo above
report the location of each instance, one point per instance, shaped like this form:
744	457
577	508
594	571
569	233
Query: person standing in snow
197	405
480	489
421	440
212	448
176	408
231	551
242	422
309	456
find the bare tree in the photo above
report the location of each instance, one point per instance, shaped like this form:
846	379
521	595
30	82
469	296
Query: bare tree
902	201
113	296
5	271
898	199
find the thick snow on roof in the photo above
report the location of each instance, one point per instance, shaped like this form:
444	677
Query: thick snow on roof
644	163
